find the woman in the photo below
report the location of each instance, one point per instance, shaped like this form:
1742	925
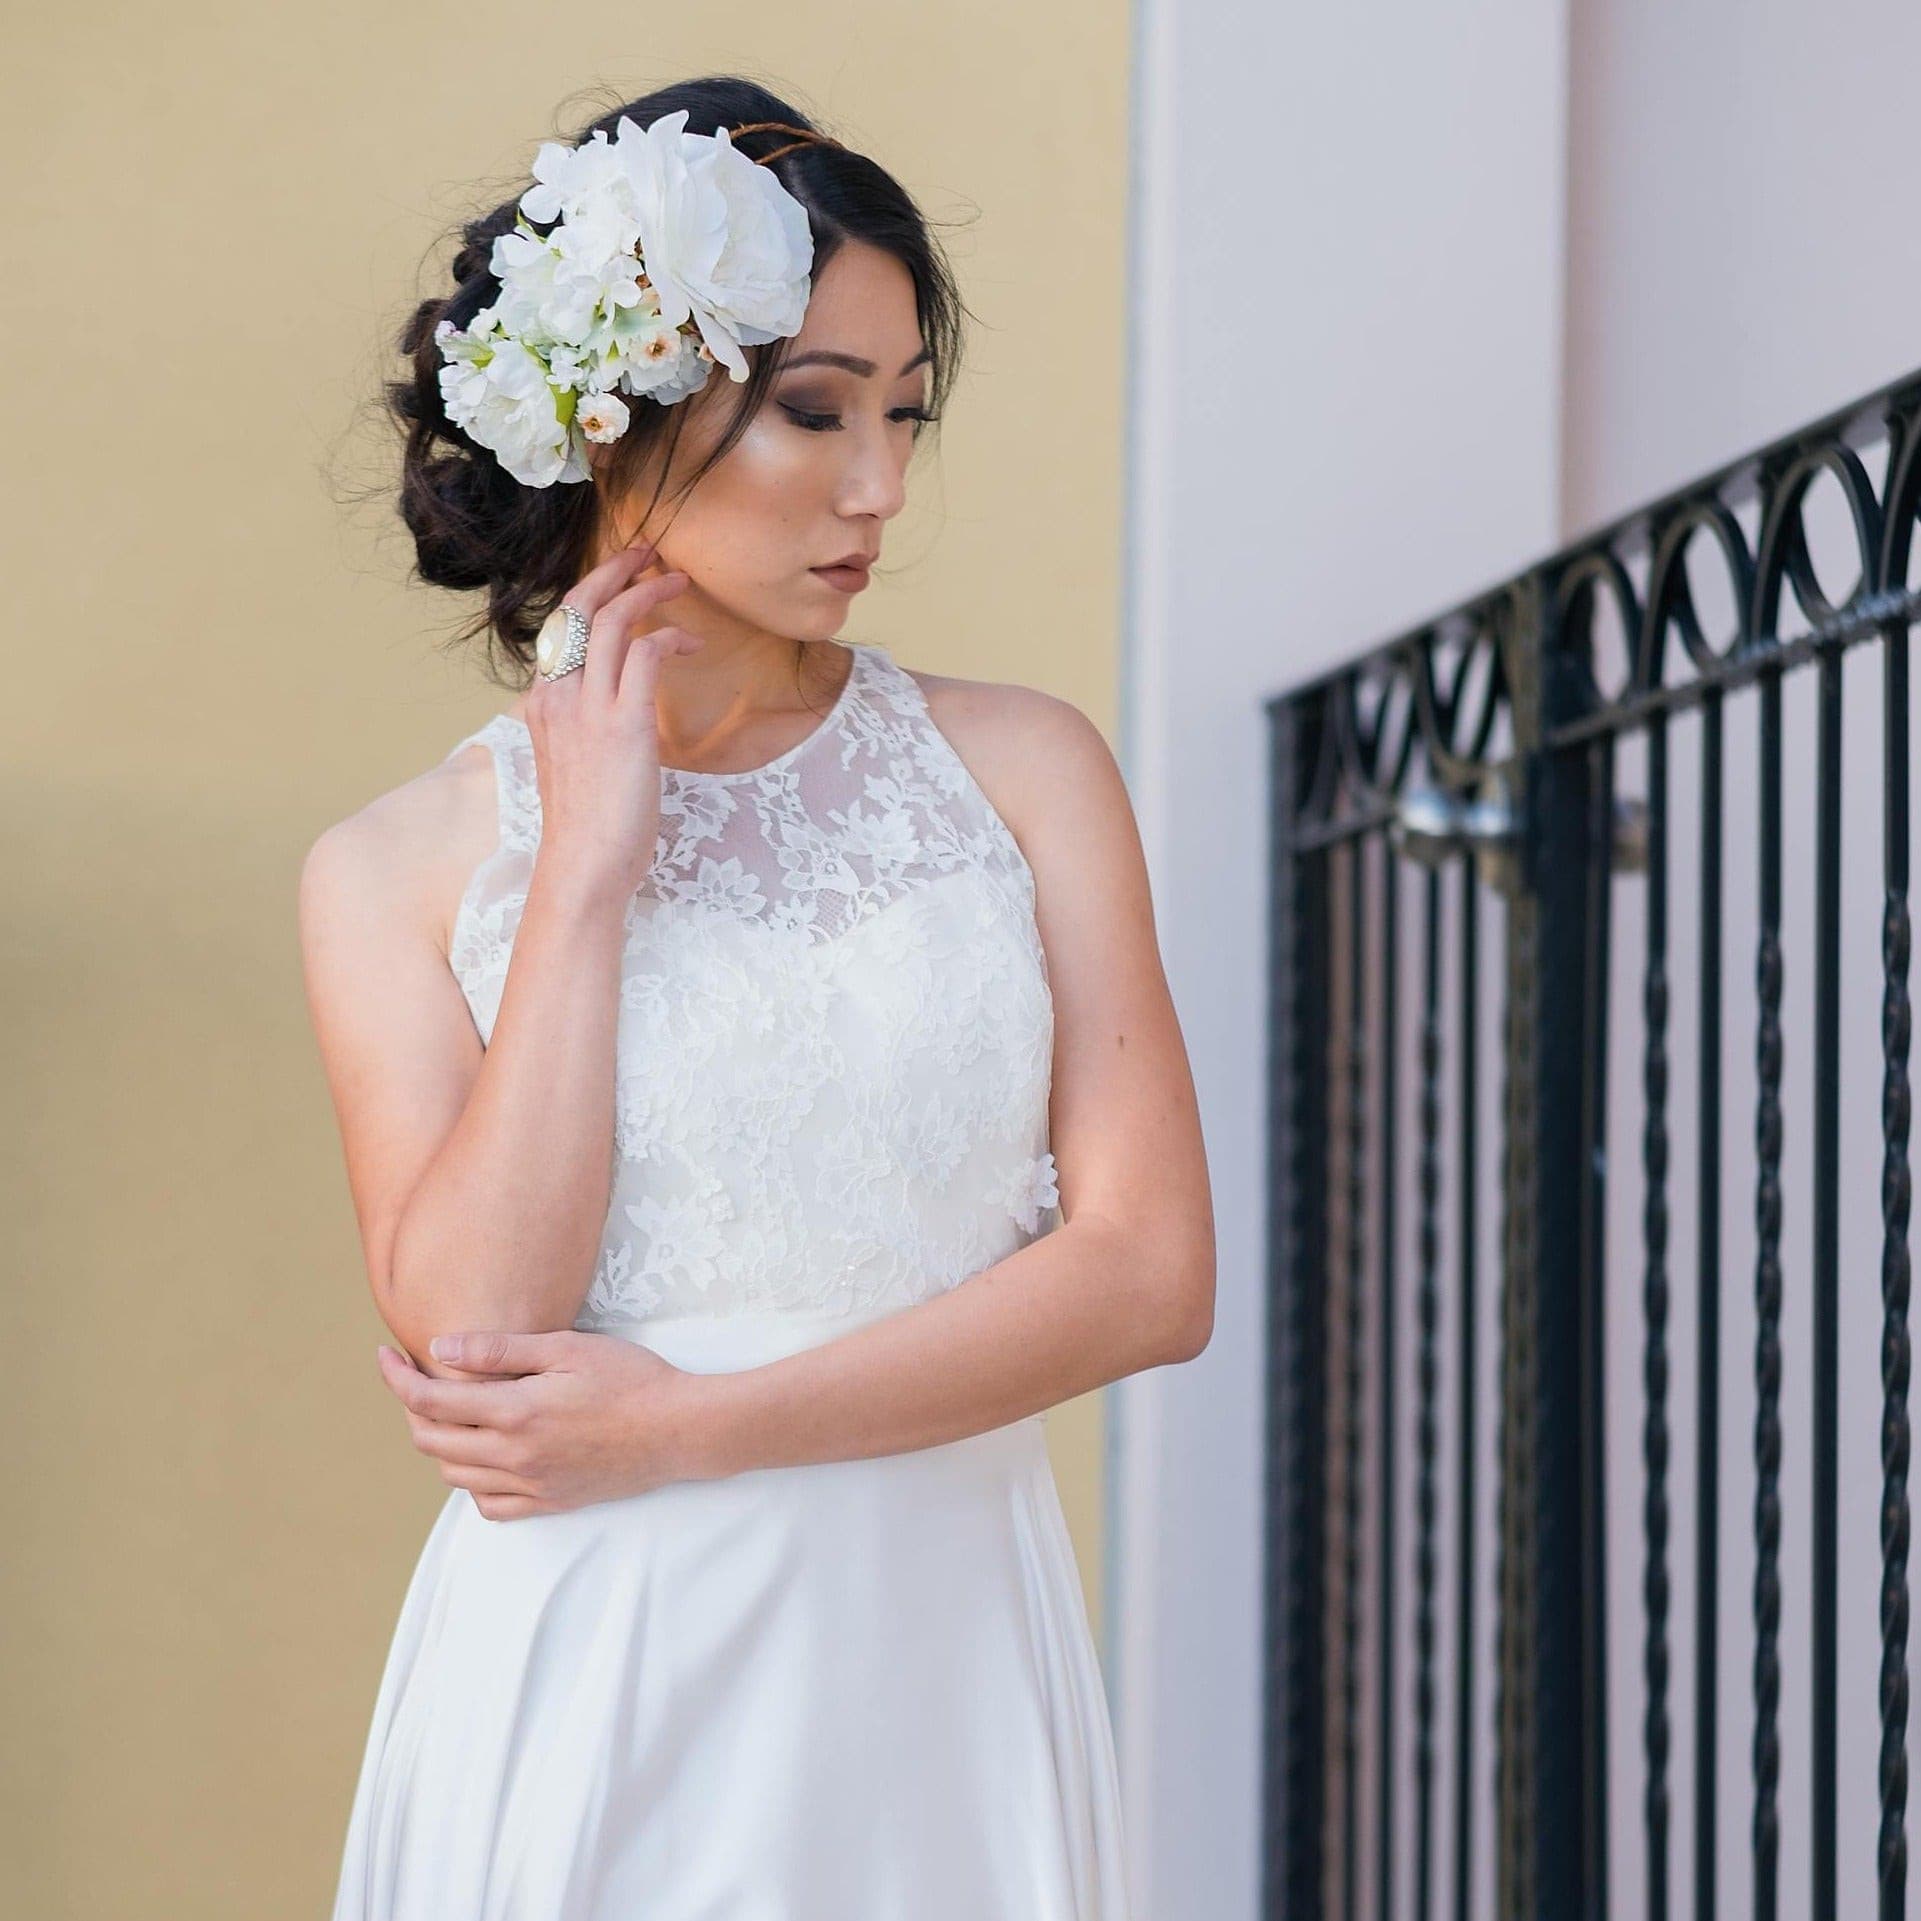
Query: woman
703	1033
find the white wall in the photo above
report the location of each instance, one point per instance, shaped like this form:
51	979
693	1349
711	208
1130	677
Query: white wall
1344	411
1744	255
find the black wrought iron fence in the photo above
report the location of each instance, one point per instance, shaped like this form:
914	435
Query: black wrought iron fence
1493	890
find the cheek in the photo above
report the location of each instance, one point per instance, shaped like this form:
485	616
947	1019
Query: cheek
773	455
748	519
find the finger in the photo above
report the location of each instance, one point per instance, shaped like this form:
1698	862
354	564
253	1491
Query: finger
477	1447
402	1372
598	585
485	1480
616	624
491	1353
640	671
595	588
512	1507
472	1403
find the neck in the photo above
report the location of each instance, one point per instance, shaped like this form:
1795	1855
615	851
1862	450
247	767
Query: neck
724	690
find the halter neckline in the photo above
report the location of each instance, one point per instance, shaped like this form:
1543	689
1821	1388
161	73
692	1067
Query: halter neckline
828	724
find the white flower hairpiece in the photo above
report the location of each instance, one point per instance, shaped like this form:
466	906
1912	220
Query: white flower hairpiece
672	250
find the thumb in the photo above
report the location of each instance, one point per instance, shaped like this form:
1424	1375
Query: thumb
485	1353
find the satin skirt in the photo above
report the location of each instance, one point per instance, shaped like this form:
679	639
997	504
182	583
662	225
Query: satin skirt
850	1691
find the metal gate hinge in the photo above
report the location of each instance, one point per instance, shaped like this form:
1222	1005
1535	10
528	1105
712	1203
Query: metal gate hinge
1433	824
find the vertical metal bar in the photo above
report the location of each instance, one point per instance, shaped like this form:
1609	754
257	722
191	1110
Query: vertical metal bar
1707	1376
1427	1440
1354	1277
1593	1291
1826	1267
1513	1669
1766	1753
1294	1755
1467	1173
1547	1476
1654	1306
1896	1201
1708	1373
1385	1136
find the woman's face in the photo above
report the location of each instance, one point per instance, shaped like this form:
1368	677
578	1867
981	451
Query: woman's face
816	475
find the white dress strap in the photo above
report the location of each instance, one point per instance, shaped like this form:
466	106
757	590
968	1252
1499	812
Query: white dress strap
516	783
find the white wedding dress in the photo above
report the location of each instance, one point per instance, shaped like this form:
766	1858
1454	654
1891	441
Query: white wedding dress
854	1691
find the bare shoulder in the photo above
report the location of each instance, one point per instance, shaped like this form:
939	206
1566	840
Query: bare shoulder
1038	757
403	859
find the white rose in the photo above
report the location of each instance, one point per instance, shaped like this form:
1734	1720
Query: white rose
509	406
722	240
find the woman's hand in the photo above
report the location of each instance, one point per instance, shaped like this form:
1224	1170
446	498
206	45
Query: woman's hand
559	1420
595	731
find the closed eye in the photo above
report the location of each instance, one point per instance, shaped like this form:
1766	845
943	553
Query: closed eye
829	423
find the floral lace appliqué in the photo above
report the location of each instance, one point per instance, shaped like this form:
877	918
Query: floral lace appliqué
835	1033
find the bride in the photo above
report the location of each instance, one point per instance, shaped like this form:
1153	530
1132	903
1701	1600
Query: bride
760	1095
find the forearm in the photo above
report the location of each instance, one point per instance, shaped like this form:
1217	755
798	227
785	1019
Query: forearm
1067	1313
505	1225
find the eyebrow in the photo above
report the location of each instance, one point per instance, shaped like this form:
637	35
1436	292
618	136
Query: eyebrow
827	357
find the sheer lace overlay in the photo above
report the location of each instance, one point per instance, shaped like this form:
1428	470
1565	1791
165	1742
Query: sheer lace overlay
835	1036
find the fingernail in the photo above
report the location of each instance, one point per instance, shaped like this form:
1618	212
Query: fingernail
442	1347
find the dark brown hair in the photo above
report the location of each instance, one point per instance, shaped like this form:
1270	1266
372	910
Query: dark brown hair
475	527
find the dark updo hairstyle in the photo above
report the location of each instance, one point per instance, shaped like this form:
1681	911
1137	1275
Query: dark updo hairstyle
478	529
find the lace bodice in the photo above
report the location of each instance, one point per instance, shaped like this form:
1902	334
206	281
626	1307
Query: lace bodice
835	1035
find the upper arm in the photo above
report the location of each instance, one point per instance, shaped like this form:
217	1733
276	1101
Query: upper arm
397	1042
1123	1118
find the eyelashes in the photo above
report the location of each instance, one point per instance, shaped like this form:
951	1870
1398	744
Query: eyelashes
828	423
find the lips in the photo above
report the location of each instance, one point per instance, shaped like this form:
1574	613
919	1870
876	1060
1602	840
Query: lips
849	575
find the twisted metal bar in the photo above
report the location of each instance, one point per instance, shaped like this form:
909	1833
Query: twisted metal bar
1766	1747
1896	1203
1514	1694
1655	1293
1707	1375
1826	1283
1388	1408
1467	1329
1352	1424
1427	1437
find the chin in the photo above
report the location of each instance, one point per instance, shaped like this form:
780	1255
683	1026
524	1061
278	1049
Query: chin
811	620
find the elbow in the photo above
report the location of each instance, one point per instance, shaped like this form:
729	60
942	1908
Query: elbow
414	1307
418	1301
410	1329
1170	1271
1195	1328
1190	1300
399	1301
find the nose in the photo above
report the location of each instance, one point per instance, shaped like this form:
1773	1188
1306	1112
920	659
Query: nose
875	479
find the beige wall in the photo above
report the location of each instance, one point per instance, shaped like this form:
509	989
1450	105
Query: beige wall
211	1507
